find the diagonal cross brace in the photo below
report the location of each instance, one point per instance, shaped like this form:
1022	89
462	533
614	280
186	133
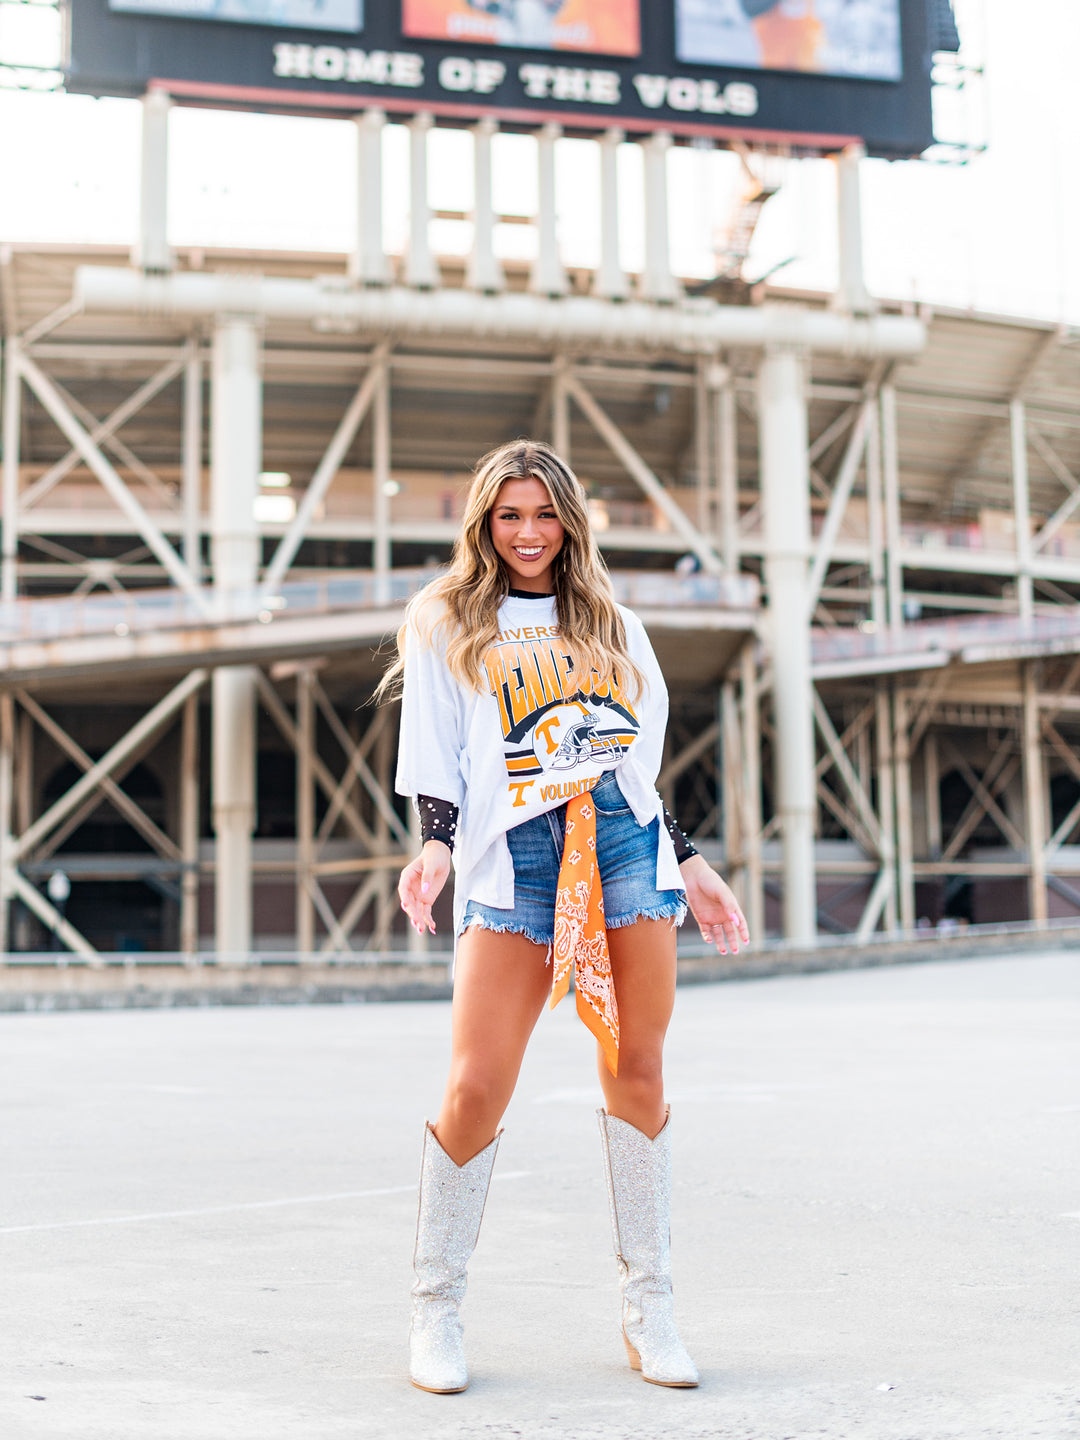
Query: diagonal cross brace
852	783
328	467
127	807
107	428
77	436
617	442
150	724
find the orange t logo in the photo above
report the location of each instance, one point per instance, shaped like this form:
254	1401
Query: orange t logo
544	729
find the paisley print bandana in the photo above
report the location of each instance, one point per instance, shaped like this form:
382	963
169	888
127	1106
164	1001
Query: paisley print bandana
580	933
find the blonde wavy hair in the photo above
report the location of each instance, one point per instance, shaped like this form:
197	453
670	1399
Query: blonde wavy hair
464	603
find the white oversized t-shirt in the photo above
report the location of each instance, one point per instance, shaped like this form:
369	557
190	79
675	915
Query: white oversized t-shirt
524	745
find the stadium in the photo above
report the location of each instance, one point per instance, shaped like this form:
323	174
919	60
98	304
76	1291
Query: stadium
849	523
793	287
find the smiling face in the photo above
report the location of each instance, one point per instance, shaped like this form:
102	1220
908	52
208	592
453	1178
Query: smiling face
527	534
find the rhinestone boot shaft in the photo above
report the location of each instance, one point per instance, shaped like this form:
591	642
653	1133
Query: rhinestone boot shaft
639	1187
452	1201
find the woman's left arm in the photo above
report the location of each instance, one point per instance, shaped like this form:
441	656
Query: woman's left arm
713	905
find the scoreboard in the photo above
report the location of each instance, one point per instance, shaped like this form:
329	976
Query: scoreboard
811	74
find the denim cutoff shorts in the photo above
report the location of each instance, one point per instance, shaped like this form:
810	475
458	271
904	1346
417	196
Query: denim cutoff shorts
627	855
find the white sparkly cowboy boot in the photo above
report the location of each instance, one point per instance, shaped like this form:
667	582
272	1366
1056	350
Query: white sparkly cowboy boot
639	1185
451	1207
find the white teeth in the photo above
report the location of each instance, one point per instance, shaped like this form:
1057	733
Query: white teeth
528	554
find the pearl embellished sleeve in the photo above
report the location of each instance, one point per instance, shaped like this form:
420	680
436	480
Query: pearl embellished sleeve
438	819
683	848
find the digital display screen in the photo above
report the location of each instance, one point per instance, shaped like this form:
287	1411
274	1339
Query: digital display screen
339	15
859	38
597	27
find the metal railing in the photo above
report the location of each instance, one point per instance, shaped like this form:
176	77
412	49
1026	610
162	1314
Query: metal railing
950	637
134	611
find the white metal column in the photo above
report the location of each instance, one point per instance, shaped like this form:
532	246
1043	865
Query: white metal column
785	493
191	464
381	481
189	828
368	263
483	272
421	269
152	248
235	462
890	465
7	797
657	283
610	279
722	382
9	481
852	294
548	276
1034	794
1025	592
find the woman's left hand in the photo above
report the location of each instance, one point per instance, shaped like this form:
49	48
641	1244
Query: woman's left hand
714	907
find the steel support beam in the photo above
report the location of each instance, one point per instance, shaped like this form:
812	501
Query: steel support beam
7	811
785	489
610	281
583	320
305	810
421	267
751	790
890	465
368	261
1025	594
905	852
189	829
727	469
560	408
152	251
191	462
235	463
657	281
852	294
483	272
548	275
381	484
1034	795
9	473
886	792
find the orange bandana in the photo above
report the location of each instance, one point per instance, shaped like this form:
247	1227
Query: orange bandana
580	932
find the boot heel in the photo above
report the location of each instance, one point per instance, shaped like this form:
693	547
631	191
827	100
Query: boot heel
634	1357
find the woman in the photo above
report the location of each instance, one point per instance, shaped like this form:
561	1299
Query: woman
532	730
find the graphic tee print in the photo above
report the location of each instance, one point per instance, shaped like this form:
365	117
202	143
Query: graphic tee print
556	743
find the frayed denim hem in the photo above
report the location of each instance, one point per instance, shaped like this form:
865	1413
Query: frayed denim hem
480	922
675	911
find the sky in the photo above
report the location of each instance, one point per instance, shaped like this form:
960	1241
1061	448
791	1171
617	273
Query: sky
1000	233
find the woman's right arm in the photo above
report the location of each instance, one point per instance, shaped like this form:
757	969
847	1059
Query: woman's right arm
429	754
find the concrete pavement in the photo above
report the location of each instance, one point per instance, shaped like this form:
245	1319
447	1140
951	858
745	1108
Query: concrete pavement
206	1220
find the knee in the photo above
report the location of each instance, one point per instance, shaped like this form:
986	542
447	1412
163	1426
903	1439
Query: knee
474	1092
641	1075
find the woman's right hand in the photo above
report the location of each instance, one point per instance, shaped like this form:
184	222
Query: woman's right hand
421	883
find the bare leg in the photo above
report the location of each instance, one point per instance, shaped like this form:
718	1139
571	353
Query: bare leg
500	985
643	965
